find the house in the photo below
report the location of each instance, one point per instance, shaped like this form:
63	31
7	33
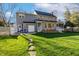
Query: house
38	22
60	26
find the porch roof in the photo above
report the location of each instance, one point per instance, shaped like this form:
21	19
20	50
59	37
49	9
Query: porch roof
46	20
35	20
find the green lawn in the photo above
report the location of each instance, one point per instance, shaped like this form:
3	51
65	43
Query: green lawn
56	44
47	44
13	46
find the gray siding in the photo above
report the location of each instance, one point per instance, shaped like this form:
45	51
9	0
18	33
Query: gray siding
29	19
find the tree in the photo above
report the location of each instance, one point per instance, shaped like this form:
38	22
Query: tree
2	15
74	18
2	23
69	24
67	14
10	9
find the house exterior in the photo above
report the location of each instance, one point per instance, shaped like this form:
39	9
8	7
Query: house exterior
60	26
39	22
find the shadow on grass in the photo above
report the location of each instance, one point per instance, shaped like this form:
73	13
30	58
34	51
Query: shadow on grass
48	48
51	48
53	35
7	37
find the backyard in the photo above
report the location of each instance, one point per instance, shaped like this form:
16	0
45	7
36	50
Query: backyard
56	44
46	44
13	46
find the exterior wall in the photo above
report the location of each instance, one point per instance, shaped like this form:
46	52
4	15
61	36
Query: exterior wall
42	27
31	18
45	26
25	18
18	22
25	26
21	17
39	28
53	25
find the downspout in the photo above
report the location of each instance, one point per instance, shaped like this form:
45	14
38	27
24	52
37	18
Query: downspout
36	29
22	27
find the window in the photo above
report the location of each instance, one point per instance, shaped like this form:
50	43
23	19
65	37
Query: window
19	26
45	26
21	15
49	25
52	24
39	24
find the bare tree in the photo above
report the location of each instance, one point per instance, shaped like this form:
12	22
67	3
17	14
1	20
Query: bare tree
10	9
67	14
2	13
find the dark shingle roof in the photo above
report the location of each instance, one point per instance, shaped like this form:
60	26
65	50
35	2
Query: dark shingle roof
44	13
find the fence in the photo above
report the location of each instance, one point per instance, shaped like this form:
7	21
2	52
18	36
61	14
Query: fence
72	29
4	30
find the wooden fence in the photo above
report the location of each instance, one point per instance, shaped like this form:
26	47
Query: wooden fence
4	30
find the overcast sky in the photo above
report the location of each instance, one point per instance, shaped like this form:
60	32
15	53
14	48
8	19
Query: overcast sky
57	8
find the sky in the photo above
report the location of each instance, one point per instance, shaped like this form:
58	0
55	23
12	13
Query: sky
57	8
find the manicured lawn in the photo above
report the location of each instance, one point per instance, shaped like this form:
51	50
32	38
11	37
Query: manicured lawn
47	44
13	46
56	44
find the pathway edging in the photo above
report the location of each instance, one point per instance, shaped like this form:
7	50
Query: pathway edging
31	48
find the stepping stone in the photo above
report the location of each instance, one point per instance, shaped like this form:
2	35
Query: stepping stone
30	40
30	44
31	48
32	53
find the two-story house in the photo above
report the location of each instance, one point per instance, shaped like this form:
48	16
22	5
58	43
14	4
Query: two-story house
41	21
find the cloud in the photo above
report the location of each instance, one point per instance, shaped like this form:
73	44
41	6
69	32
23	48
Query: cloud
57	8
45	5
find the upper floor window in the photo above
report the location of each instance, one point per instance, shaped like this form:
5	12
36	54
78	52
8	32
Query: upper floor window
21	15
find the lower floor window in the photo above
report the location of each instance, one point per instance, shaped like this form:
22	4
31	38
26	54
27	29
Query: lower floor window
45	26
39	24
49	25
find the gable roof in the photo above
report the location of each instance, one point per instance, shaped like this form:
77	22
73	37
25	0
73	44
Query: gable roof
44	13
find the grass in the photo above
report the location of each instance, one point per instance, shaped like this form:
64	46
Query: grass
47	44
56	44
13	46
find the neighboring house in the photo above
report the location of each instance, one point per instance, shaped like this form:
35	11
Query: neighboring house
41	21
60	26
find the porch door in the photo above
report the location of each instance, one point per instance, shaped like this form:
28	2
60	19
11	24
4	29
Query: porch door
39	26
